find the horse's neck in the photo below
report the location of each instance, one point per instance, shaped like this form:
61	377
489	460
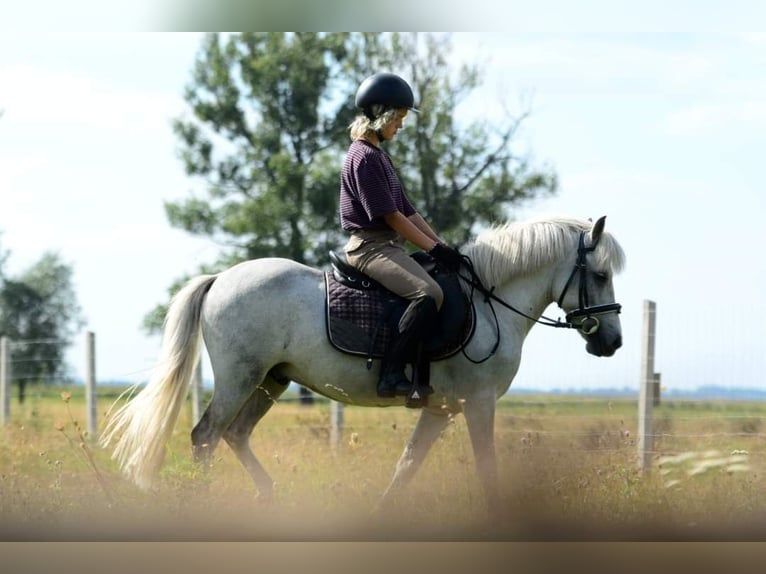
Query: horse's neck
530	294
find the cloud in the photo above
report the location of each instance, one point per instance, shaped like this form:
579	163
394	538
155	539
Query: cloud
13	168
681	65
717	119
697	85
756	39
34	96
82	15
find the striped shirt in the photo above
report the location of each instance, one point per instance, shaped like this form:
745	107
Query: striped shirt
369	188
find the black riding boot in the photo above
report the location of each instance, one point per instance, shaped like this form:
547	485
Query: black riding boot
417	397
416	322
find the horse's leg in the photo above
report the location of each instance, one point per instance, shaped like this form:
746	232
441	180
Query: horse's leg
232	391
237	436
427	430
480	418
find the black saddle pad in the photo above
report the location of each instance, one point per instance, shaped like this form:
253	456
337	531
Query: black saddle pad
362	322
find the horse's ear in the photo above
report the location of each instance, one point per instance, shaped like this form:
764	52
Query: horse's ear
597	230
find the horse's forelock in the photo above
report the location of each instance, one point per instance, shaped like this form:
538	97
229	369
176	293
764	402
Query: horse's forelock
609	254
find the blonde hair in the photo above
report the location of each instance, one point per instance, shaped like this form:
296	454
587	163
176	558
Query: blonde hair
362	125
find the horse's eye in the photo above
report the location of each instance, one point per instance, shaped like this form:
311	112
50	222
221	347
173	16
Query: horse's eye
601	277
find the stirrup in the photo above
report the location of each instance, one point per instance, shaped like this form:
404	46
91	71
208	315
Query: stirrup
418	396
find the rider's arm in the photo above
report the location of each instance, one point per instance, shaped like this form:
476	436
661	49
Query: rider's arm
410	231
421	224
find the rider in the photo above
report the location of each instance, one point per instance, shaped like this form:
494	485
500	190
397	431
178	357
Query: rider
380	218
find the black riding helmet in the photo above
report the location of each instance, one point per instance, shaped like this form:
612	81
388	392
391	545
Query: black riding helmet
388	90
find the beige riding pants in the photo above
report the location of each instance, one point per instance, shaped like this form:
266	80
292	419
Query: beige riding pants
381	255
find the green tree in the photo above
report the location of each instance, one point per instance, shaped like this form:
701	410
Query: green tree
40	314
268	130
264	136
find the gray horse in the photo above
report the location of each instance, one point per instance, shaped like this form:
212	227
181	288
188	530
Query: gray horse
263	323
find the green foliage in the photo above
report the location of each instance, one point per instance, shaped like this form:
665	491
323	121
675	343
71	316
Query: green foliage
265	137
39	312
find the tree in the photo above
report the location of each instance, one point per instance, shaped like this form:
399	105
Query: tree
264	136
40	313
268	132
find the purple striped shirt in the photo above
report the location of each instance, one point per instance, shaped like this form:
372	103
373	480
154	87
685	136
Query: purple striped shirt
369	188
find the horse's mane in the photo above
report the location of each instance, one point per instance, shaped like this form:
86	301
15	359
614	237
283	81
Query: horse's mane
518	248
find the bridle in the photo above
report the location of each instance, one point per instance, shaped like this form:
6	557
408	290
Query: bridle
588	322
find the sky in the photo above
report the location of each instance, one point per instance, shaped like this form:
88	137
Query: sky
662	132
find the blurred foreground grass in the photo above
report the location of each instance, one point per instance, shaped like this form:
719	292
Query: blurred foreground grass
567	467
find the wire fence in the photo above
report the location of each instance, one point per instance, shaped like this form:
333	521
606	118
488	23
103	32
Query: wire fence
656	428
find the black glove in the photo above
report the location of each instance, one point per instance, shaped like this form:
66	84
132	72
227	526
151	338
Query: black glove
447	256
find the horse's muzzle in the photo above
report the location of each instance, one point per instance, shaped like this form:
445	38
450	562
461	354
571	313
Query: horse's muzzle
599	347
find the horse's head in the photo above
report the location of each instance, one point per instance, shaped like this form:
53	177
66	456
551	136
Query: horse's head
587	295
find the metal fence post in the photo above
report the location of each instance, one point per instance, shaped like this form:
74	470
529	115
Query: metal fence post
646	390
336	423
91	399
5	381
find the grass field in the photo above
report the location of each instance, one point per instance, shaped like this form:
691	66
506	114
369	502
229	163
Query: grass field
567	467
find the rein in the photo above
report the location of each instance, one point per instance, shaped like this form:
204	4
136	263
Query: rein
589	324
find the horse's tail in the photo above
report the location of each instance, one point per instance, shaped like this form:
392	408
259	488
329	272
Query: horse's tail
143	426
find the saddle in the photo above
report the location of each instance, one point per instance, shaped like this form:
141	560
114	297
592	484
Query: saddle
362	315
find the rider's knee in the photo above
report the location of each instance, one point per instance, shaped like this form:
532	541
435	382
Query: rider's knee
435	292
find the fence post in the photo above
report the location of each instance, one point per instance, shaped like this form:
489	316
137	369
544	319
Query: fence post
336	423
196	393
306	397
646	390
657	385
5	381
91	400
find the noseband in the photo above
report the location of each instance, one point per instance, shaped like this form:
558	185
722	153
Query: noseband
589	322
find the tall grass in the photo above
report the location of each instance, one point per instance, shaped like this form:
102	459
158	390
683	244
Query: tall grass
567	466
